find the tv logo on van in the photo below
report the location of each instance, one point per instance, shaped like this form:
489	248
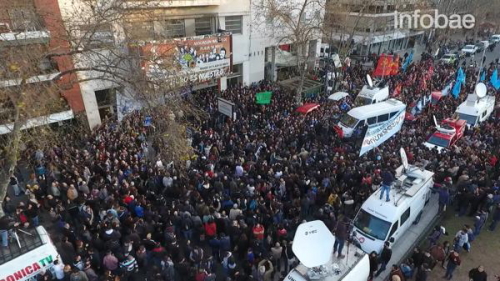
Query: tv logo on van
29	270
307	233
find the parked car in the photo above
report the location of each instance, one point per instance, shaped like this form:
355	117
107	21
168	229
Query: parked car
469	50
495	38
482	45
449	58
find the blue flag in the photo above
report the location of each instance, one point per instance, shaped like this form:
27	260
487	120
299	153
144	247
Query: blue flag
456	89
494	80
408	61
461	76
483	75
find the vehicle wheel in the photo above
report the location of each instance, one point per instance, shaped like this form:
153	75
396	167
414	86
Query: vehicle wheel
417	219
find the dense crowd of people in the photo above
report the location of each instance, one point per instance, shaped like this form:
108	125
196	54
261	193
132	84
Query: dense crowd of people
232	213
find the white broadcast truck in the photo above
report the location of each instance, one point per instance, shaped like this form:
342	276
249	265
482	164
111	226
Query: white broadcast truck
313	246
379	221
478	106
30	253
371	94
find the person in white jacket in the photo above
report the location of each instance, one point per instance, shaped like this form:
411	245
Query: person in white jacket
58	270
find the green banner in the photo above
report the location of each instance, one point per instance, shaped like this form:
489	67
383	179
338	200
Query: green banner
263	97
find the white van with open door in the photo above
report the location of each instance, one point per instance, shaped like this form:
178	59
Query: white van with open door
371	93
379	221
29	253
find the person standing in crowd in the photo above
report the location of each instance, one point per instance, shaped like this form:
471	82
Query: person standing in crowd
454	261
373	264
461	239
478	274
385	257
341	236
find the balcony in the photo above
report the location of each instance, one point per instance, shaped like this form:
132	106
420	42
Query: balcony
151	4
24	38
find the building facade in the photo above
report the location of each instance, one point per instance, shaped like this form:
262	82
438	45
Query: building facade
368	27
29	29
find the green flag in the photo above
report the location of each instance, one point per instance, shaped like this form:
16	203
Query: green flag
263	97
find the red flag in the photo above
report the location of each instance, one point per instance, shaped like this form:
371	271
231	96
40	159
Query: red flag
395	66
387	65
383	66
397	90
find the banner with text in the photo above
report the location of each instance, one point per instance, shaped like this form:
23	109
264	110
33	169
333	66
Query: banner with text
187	60
377	134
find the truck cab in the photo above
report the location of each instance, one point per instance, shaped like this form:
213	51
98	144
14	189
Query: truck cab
447	134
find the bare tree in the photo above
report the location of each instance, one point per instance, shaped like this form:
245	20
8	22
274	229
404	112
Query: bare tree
86	43
296	22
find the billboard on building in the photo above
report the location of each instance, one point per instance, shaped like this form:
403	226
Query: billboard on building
188	60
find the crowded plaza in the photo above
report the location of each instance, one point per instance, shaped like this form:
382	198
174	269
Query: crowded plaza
229	211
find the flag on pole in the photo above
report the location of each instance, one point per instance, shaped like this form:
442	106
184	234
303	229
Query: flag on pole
461	76
483	75
407	61
263	97
456	89
387	65
494	80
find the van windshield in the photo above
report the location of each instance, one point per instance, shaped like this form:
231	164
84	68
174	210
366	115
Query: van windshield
348	121
371	225
470	119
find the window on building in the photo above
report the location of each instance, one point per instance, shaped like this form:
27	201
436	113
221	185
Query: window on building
204	26
236	70
174	28
140	30
24	19
234	24
391	8
97	36
106	102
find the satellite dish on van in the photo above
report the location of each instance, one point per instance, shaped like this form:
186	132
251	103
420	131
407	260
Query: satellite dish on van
404	158
313	243
480	90
369	80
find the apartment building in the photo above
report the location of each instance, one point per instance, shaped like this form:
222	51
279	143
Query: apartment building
369	26
29	29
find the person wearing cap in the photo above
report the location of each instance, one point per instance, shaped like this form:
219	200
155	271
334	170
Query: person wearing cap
453	262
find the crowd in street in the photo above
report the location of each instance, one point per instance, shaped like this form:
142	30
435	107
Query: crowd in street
232	212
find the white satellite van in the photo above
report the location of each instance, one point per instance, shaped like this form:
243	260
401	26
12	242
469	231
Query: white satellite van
371	94
378	114
478	106
29	254
379	221
313	246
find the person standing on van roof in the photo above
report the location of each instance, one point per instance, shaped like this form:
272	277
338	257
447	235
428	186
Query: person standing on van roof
385	257
387	179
